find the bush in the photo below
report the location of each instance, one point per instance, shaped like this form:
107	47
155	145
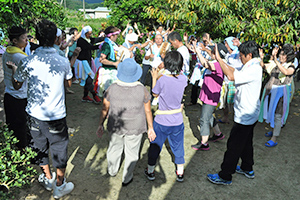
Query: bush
14	164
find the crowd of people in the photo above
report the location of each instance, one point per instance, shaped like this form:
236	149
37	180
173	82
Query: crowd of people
37	76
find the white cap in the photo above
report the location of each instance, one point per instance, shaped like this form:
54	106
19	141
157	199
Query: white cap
156	62
58	33
133	37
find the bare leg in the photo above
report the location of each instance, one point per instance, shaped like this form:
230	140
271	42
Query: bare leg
204	139
46	171
60	176
273	138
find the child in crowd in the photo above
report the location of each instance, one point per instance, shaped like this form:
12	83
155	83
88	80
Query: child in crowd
168	122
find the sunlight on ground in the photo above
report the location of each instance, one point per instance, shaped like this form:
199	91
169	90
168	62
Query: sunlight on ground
70	166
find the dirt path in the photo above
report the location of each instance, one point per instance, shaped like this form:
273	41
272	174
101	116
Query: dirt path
276	169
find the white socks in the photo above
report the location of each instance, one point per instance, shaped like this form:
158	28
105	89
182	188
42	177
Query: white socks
151	168
180	169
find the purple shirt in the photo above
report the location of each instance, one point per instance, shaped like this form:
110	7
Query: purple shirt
170	91
212	84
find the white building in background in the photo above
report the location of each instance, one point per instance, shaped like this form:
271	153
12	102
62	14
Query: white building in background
100	12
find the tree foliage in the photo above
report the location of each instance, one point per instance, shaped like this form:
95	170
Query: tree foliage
14	164
131	11
28	13
265	21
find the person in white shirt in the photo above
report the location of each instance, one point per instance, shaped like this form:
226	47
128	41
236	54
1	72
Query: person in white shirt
175	39
46	72
233	60
246	111
152	54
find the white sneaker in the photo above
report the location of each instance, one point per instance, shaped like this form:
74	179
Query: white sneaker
47	183
62	190
76	81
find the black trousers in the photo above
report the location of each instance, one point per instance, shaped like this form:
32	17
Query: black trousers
144	74
195	92
88	87
239	145
16	119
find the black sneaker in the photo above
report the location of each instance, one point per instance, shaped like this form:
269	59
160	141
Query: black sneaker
125	184
150	176
180	177
200	146
215	138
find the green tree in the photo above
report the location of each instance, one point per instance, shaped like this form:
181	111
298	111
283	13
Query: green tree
263	21
131	11
28	13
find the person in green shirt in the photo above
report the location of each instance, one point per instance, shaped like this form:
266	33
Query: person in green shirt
108	73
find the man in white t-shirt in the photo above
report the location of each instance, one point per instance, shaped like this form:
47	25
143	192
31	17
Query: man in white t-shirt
46	72
246	110
175	39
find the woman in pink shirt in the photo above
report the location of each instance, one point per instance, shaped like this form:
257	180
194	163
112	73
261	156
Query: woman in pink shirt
209	95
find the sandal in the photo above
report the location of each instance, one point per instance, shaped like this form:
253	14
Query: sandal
269	134
270	143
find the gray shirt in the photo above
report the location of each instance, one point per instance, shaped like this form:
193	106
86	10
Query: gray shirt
126	113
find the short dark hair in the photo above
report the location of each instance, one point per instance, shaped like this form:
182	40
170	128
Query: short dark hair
173	62
46	33
72	31
110	29
249	47
222	50
29	37
100	31
15	32
174	36
288	50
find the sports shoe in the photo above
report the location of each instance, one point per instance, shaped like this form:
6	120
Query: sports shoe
68	91
76	81
47	183
87	99
180	177
97	100
62	190
150	176
125	184
214	178
200	146
248	174
215	138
